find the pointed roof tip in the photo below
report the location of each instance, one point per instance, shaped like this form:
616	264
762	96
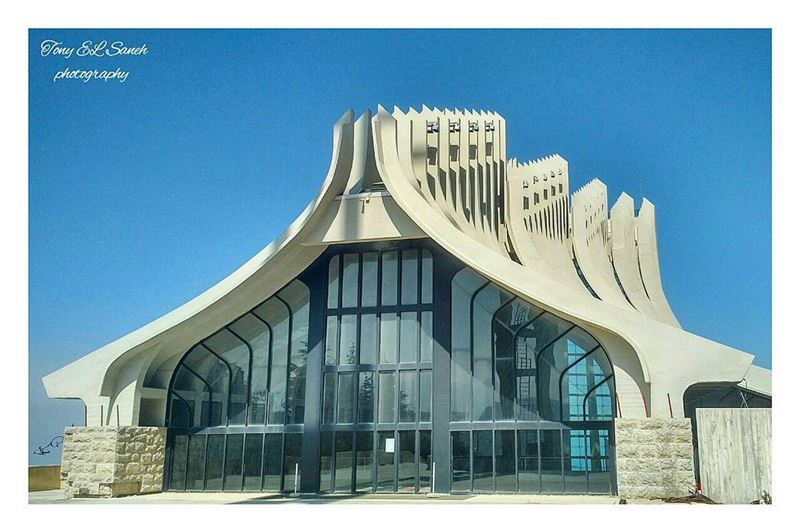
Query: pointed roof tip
425	108
624	195
347	116
368	113
623	200
436	110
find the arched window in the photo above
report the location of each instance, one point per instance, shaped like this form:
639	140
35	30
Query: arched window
250	372
511	360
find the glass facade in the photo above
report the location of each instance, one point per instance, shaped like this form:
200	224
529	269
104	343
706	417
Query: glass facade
237	401
515	366
378	359
341	381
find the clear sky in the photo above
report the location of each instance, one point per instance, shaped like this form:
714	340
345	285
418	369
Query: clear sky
146	192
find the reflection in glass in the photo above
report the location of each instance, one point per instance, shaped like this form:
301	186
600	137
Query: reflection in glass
253	444
597	452
331	340
512	361
425	461
410	276
425	396
256	333
347	339
503	328
528	461
574	461
550	450
364	461
216	446
486	302
366	397
426	337
465	284
409	332
369	280
233	462
408	396
368	354
386	399
177	477
276	314
407	463
326	462
427	277
292	452
328	398
197	459
297	296
344	461
388	338
482	461
385	460
389	278
273	451
350	280
333	282
237	361
459	452
345	409
505	461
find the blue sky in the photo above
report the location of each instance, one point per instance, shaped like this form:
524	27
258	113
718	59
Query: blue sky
143	194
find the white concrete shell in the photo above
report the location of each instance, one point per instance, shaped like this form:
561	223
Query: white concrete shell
445	175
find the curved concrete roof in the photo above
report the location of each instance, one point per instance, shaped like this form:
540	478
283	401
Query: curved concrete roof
447	178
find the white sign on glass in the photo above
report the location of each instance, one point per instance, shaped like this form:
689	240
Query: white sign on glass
389	445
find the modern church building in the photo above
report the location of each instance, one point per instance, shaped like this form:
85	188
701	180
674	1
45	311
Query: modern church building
439	318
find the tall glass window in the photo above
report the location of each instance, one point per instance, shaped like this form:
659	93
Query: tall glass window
249	373
379	354
513	362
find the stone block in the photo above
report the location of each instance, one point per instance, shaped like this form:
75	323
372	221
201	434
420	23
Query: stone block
112	461
652	457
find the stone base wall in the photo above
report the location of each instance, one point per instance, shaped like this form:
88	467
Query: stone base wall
654	458
112	461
